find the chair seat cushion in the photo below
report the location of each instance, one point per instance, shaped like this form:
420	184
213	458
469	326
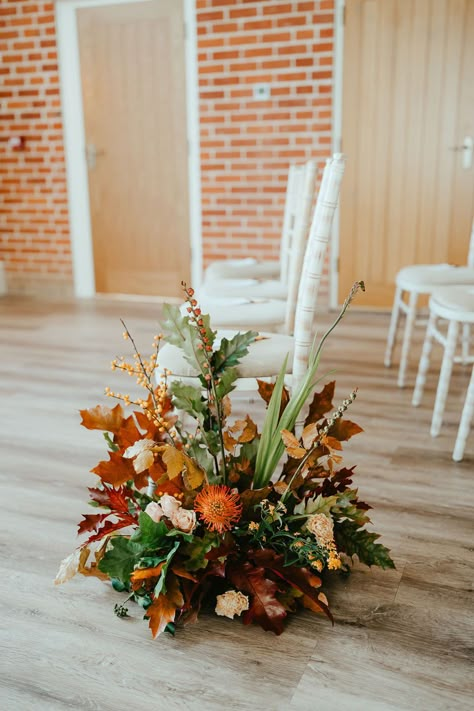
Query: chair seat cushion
249	288
248	268
241	314
264	359
423	278
454	302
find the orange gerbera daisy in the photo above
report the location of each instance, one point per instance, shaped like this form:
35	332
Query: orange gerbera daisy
218	507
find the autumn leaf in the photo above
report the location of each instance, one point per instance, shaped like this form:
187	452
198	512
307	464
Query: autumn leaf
112	526
343	430
90	522
92	569
128	433
193	475
116	471
241	432
103	418
321	404
292	446
251	497
309	435
265	391
138	577
174	460
69	566
163	609
302	579
265	608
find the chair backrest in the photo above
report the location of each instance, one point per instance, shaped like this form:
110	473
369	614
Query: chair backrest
314	258
299	238
470	255
293	190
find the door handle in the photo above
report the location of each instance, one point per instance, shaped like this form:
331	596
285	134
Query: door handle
467	149
91	155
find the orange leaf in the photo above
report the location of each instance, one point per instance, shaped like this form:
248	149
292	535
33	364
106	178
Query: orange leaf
292	445
139	576
103	418
344	430
309	434
163	609
116	471
128	433
183	573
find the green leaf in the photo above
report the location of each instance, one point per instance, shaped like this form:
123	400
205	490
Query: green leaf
114	447
181	333
188	398
231	352
160	585
269	450
149	535
118	585
226	382
120	560
353	540
197	550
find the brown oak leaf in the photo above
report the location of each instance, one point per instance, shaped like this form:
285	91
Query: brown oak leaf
343	430
265	391
292	446
321	403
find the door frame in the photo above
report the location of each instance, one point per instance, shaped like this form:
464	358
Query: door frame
74	141
337	84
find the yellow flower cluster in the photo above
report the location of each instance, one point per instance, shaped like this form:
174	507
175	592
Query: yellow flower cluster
322	527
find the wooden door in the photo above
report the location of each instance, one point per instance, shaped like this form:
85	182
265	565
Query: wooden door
408	99
133	83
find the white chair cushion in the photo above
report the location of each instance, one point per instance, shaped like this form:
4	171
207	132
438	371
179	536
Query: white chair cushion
454	302
243	315
264	359
423	278
242	269
249	288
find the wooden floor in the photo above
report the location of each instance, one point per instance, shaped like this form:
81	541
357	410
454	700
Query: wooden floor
403	639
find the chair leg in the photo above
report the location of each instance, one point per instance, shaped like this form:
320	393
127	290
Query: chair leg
465	424
424	363
465	342
444	378
392	331
409	323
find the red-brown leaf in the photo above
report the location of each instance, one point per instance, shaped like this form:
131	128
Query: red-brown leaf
90	522
103	418
265	609
111	526
302	579
128	433
321	404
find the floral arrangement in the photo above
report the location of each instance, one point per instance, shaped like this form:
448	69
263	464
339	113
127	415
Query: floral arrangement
206	514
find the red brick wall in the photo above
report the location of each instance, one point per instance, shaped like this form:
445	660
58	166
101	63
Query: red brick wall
246	145
34	233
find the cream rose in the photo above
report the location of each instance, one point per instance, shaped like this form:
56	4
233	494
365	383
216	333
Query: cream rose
169	504
322	527
154	511
184	519
231	603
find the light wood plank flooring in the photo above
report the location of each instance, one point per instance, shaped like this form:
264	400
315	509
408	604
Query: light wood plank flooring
402	640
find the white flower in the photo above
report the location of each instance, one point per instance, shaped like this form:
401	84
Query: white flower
322	527
231	603
141	453
154	511
184	519
169	504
